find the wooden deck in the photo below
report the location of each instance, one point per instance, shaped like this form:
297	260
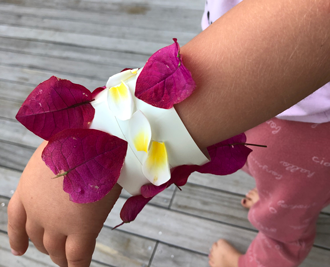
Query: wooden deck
86	41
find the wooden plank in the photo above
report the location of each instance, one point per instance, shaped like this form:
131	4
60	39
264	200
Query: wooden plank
78	53
15	91
97	29
182	230
62	66
317	257
9	181
87	40
239	182
175	257
212	204
121	249
13	132
122	14
323	231
34	77
14	156
3	214
9	108
327	209
187	4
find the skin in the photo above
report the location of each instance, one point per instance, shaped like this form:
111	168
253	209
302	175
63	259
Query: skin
222	254
254	62
41	210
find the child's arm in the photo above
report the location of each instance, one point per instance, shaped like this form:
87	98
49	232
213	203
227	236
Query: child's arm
254	62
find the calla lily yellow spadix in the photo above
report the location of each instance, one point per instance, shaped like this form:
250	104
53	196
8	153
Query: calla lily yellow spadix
156	168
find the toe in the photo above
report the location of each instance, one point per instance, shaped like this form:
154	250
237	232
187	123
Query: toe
247	203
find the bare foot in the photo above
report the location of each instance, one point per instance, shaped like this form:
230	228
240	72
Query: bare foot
251	198
223	255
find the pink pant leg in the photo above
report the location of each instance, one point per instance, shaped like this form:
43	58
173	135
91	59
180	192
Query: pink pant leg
293	181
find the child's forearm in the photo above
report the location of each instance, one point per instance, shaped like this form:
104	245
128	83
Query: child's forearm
254	62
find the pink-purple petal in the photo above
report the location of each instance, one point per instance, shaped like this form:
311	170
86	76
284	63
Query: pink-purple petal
97	91
180	174
227	156
91	159
150	190
55	105
132	208
164	80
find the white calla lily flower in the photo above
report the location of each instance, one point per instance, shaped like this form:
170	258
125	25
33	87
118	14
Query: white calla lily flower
140	131
120	100
156	167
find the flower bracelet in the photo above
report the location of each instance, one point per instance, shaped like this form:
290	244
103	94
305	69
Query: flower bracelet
126	132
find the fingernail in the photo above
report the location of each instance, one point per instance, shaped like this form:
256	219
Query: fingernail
15	253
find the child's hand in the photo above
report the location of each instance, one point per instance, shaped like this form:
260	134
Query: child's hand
41	210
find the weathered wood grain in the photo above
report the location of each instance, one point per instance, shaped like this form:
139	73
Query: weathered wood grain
34	77
212	204
15	91
120	14
61	66
186	4
95	29
101	42
13	132
239	182
182	230
74	52
121	249
166	256
317	257
14	156
9	108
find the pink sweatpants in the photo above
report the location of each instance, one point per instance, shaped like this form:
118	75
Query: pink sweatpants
293	180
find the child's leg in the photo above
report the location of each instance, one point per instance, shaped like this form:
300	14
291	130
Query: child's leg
292	177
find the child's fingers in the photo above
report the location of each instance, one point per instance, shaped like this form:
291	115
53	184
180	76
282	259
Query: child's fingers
18	237
79	250
55	245
36	234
